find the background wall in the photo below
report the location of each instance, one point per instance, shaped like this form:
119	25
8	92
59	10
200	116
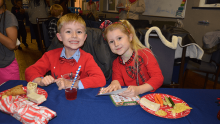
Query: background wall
190	22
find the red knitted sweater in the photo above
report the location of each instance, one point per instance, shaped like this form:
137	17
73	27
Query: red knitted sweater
90	74
148	70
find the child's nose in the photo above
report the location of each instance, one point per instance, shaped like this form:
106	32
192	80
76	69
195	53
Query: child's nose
116	43
74	34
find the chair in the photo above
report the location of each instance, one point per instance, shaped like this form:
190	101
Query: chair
45	31
211	67
102	16
161	24
40	34
164	52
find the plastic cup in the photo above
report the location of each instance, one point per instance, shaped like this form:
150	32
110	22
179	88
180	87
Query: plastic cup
69	78
71	94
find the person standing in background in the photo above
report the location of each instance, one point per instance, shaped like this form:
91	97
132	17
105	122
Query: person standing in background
92	14
64	4
9	69
19	13
40	9
130	9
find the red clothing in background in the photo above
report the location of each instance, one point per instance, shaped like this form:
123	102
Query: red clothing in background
90	74
148	70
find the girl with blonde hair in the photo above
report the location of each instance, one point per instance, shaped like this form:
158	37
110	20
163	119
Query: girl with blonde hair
136	66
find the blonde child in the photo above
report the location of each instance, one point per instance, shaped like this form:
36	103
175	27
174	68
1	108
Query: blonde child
72	32
136	66
56	12
92	14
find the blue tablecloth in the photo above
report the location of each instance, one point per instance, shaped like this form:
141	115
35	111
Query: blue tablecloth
89	108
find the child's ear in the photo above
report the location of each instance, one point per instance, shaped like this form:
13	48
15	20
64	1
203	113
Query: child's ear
85	37
130	37
59	37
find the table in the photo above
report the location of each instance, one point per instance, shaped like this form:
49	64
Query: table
89	108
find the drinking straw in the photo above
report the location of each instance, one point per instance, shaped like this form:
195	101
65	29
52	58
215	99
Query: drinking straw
77	72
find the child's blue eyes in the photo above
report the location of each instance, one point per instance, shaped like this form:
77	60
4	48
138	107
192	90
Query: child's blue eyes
79	32
119	38
110	41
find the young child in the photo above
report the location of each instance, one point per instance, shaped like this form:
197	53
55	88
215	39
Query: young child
56	11
136	66
72	32
19	12
92	14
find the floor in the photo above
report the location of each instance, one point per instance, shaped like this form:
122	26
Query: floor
28	56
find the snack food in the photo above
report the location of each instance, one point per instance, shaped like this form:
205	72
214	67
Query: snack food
179	107
161	113
31	87
17	90
34	97
151	105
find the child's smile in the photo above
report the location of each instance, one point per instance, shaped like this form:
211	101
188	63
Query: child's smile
119	42
73	36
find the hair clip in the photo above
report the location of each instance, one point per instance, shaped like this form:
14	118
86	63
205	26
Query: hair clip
105	24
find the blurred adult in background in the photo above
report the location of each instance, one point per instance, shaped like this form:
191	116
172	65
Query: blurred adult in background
130	9
9	69
92	14
40	9
19	13
64	4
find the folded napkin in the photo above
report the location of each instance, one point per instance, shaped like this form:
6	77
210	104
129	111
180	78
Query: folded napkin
25	111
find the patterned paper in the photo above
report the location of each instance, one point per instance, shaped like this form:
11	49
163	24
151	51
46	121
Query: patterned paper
25	111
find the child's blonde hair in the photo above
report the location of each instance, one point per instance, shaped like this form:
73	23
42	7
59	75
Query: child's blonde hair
56	10
127	29
70	17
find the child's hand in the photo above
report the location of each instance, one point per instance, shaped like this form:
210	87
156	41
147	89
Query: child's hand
60	83
132	91
115	85
63	83
46	80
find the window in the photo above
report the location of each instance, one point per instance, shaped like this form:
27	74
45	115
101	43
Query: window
209	3
110	5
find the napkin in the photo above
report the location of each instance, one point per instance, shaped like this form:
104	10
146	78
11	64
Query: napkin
25	111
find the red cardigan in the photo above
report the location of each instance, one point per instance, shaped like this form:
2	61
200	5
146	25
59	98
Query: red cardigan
148	68
90	74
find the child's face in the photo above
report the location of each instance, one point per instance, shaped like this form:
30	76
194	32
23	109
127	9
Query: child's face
19	4
73	35
119	42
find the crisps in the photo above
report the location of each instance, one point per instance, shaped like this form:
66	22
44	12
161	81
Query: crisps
179	107
17	90
161	113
